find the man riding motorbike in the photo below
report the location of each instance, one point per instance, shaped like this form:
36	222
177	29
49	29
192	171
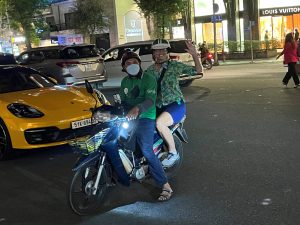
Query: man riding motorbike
138	93
203	49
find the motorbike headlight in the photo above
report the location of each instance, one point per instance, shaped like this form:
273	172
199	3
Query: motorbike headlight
125	125
24	111
102	117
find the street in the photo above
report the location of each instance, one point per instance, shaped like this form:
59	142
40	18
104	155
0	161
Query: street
241	165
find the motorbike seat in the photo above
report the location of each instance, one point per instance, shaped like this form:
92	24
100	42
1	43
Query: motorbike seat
180	123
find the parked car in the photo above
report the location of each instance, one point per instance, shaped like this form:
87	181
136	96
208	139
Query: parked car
69	65
35	112
7	59
112	59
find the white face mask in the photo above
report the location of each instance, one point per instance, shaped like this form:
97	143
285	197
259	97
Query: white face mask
133	69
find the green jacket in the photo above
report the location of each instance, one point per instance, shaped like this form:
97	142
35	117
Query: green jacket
136	91
170	89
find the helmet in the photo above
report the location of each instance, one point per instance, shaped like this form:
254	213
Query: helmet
129	55
160	44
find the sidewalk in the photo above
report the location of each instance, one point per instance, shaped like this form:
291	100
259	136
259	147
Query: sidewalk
247	61
264	60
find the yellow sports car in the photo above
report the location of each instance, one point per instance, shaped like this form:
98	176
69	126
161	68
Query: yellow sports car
35	112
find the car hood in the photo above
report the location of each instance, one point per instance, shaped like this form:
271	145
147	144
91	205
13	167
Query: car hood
60	101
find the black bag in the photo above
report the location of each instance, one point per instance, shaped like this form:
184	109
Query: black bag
298	49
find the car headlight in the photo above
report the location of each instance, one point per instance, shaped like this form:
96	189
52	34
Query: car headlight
103	117
24	111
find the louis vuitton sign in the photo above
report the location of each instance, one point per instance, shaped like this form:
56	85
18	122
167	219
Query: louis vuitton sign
280	11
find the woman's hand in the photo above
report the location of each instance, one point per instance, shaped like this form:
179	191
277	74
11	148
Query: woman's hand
191	49
281	53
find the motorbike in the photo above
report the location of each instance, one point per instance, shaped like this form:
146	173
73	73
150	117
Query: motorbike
107	156
207	60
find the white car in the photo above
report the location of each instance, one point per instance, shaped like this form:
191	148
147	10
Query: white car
70	65
112	59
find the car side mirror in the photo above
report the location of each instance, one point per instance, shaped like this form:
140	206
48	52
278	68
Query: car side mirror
88	87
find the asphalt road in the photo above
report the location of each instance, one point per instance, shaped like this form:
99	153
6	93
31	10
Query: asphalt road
241	165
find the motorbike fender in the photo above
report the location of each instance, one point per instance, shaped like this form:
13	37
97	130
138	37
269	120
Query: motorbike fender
181	134
111	149
86	160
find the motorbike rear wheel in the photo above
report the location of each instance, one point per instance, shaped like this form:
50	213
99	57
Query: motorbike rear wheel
80	193
173	170
207	64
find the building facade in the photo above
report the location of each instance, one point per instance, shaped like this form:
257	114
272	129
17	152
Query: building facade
236	21
243	20
60	18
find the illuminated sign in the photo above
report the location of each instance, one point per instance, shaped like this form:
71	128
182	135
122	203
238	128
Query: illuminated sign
280	11
206	7
133	26
69	39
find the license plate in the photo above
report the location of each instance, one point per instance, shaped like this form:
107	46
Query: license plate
81	123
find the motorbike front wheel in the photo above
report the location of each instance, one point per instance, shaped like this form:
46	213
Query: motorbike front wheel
81	195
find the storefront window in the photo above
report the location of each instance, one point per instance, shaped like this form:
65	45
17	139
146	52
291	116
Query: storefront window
204	32
279	18
278	26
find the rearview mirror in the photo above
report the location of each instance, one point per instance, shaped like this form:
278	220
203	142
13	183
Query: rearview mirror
88	87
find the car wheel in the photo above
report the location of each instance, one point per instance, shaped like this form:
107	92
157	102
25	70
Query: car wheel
5	142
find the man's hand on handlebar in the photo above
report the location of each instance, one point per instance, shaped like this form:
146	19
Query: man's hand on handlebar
133	113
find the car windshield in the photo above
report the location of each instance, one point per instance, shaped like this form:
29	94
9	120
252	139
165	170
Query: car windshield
117	53
76	52
19	79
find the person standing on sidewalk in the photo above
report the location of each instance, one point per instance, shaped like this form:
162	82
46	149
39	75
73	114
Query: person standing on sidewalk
267	40
290	57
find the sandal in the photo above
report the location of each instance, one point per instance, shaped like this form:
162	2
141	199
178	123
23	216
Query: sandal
165	195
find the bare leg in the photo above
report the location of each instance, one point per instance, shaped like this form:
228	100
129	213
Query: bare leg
162	124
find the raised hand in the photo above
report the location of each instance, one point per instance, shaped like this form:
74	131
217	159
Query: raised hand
191	48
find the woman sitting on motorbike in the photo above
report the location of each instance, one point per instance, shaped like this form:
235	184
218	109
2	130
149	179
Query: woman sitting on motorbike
170	101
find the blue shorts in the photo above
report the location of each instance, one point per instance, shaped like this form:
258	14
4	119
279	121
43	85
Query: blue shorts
176	109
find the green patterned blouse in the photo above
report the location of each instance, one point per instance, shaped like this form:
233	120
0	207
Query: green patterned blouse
170	90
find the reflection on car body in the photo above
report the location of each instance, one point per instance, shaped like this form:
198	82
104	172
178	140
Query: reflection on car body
37	113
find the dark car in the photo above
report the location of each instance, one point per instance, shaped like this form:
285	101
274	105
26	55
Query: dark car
7	59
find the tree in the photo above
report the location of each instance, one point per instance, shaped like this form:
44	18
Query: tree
162	13
26	16
89	16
